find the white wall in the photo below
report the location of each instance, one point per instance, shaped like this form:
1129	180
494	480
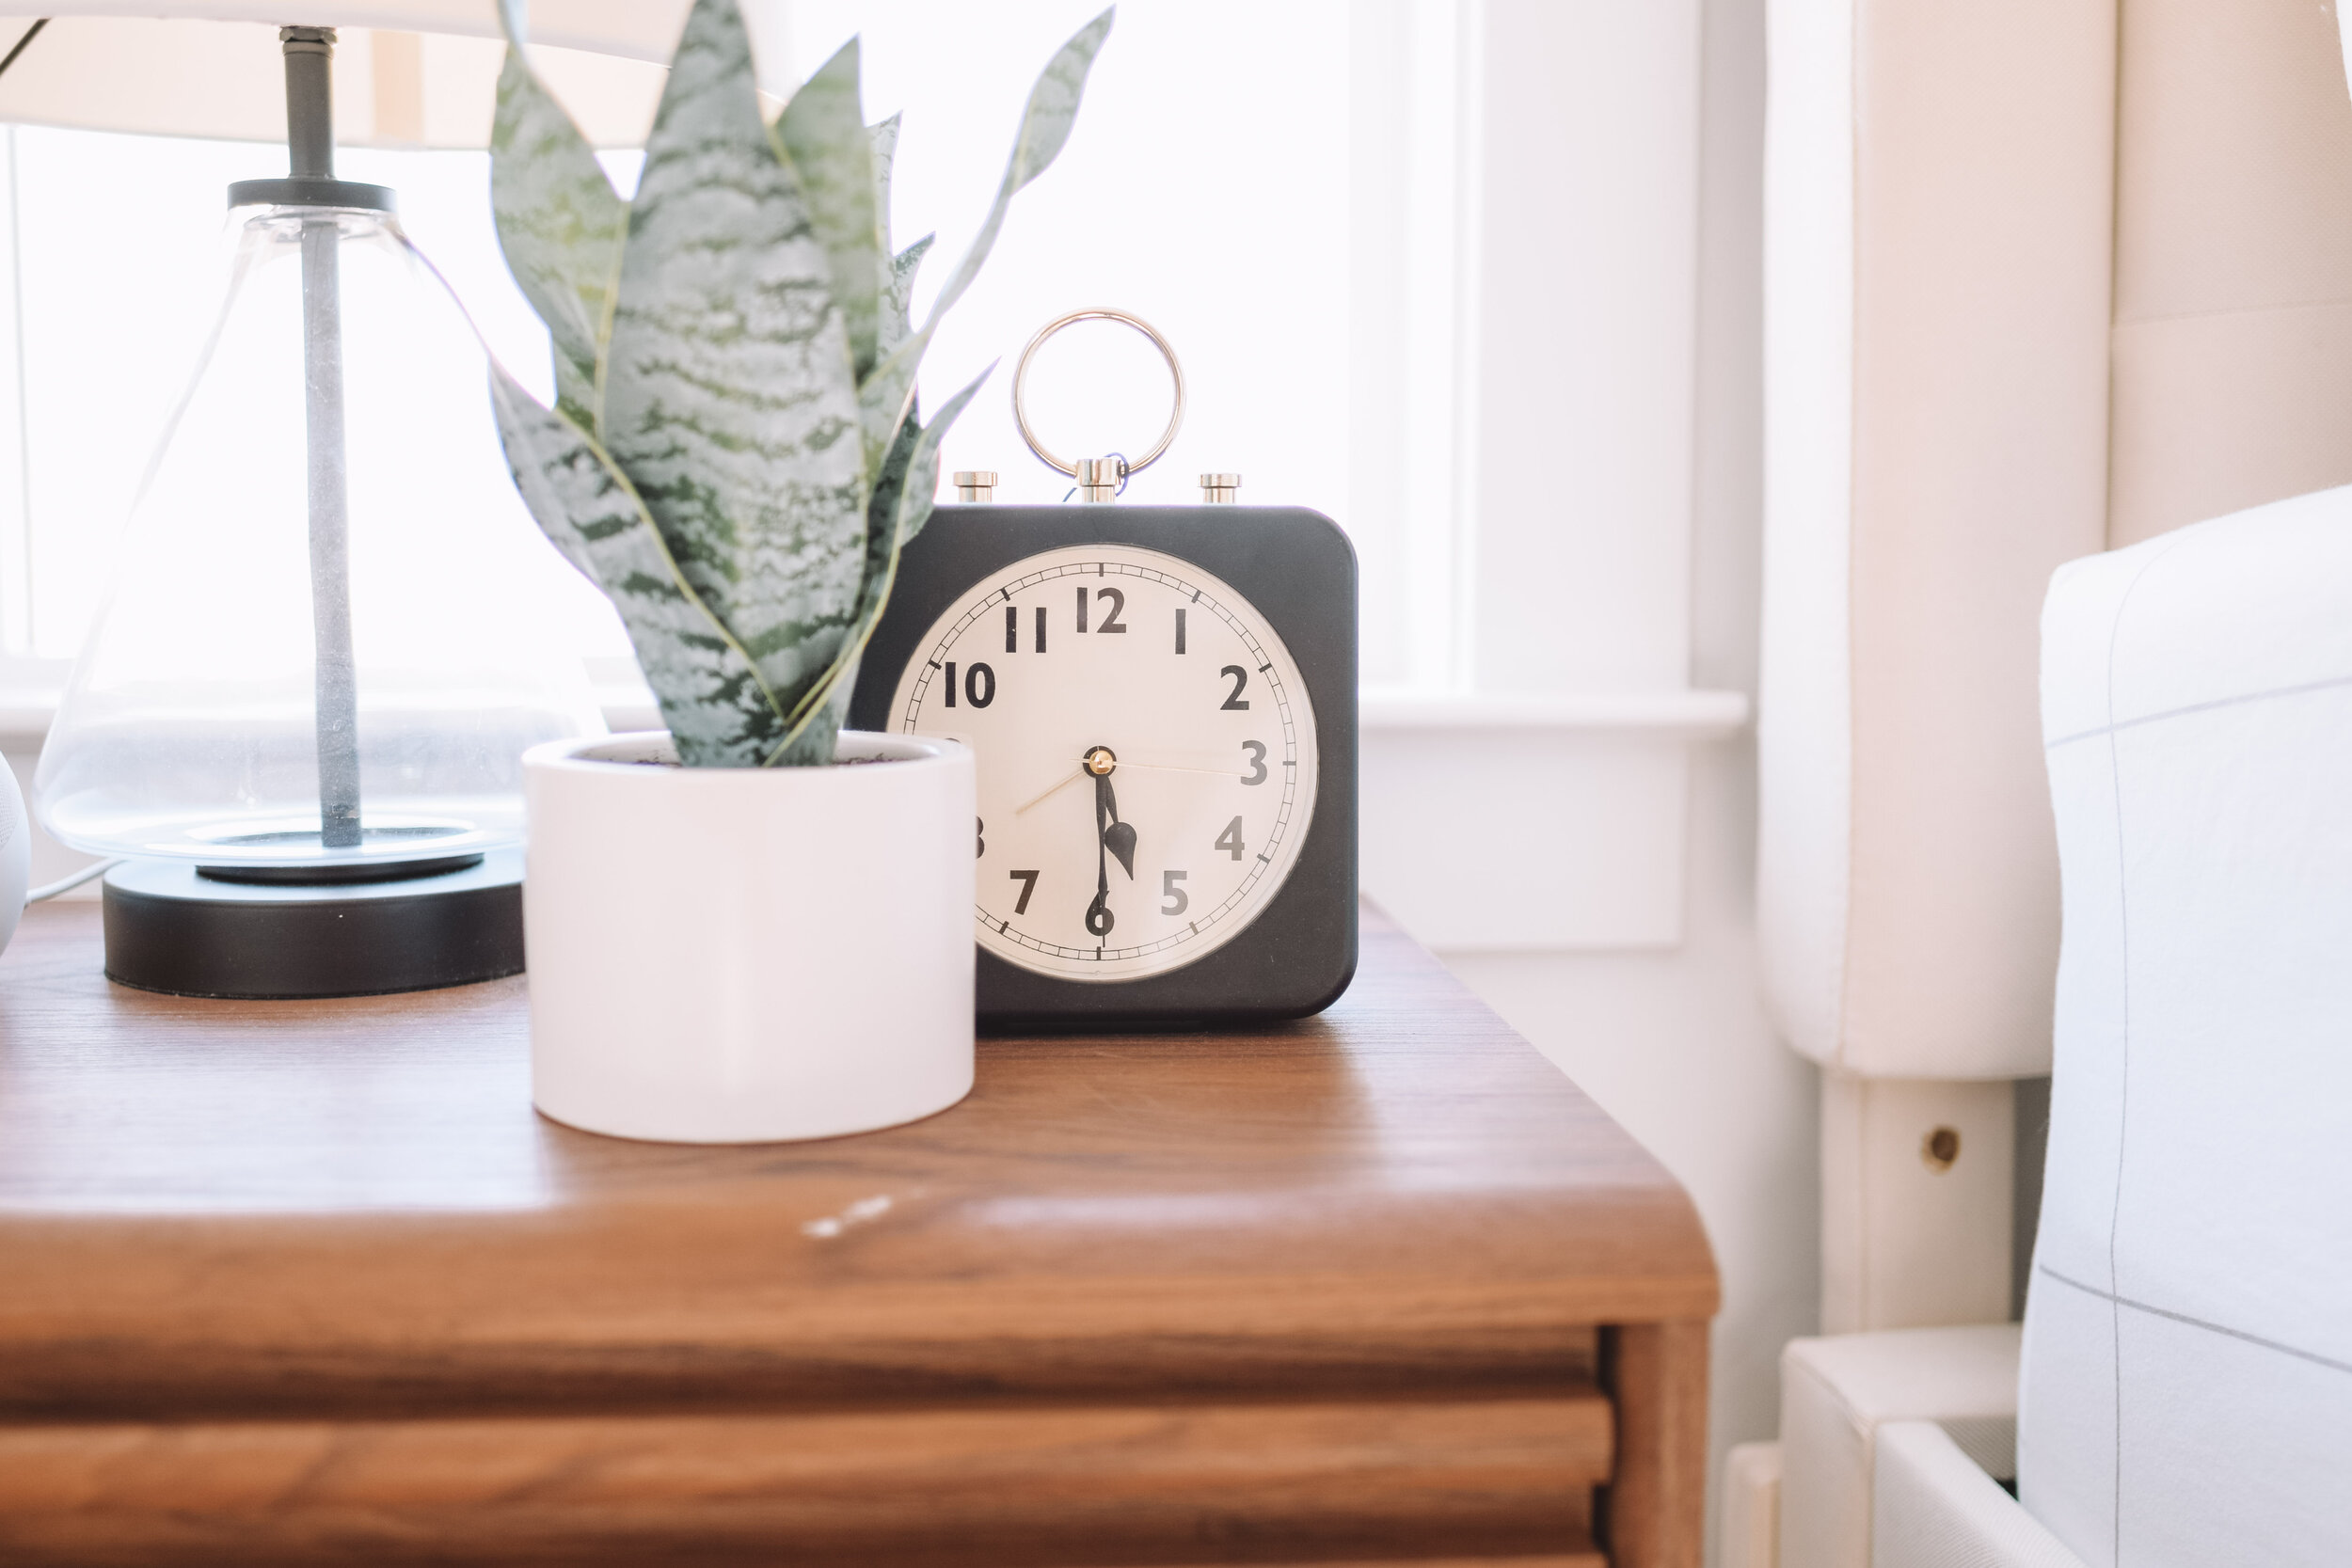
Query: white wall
1673	1042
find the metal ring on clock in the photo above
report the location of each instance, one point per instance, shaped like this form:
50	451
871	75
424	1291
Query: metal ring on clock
1021	379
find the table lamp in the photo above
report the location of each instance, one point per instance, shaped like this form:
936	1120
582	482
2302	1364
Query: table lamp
300	714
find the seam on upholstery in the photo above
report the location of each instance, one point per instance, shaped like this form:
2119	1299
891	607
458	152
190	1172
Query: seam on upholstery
2123	1091
2303	691
1854	1419
1866	1433
2222	312
2123	1080
2154	1310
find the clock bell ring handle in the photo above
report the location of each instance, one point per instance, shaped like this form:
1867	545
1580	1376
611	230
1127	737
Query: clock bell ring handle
1100	479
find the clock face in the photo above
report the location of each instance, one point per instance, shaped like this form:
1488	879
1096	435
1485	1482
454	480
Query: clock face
1146	755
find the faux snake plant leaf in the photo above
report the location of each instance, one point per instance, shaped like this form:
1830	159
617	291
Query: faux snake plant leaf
898	301
717	708
885	396
898	279
729	398
903	504
734	457
881	148
558	221
822	132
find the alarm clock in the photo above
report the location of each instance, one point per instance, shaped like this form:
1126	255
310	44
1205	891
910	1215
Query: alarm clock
1161	701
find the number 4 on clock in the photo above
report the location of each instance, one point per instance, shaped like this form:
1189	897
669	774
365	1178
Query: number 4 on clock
1230	840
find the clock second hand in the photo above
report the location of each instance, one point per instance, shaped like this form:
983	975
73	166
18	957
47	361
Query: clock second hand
1056	789
1069	779
1168	768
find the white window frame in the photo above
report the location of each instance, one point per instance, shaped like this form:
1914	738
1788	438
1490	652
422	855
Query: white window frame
1593	741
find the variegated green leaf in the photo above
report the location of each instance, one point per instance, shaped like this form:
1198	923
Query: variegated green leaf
822	132
919	484
902	506
898	273
882	145
898	296
1044	128
729	398
559	223
719	711
882	397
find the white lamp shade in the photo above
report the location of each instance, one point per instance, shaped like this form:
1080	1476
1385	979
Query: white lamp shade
407	72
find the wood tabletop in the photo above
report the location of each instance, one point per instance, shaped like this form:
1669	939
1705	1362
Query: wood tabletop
328	1211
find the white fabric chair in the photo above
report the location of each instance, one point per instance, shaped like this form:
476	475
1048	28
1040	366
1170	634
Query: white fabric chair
2187	1377
2044	278
2187	1373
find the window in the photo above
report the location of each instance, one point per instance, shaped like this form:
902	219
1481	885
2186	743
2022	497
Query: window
1432	268
1272	186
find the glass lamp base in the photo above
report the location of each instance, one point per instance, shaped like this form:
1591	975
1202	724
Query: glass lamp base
170	929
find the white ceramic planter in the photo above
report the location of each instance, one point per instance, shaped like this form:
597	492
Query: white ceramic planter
748	955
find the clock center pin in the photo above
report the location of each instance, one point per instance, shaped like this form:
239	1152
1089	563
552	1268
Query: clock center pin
1100	760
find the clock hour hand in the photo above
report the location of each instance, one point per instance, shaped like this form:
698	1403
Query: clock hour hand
1118	837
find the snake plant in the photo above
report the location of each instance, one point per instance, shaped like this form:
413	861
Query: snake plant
734	455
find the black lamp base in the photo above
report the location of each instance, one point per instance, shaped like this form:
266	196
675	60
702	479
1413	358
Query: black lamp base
170	929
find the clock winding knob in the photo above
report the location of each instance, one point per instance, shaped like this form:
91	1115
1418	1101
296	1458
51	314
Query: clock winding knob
1099	478
975	484
1217	490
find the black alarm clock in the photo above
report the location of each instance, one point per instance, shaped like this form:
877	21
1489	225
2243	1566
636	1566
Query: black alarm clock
1161	703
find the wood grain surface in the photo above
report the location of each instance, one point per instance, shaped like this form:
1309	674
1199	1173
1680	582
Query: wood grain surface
1066	1484
339	1224
1656	1375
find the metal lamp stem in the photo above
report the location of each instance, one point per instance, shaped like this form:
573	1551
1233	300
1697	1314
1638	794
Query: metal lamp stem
310	154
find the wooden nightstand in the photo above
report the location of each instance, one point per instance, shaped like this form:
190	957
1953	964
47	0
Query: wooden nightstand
310	1282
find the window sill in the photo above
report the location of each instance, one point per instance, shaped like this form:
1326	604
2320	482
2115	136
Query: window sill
1685	715
1668	715
25	712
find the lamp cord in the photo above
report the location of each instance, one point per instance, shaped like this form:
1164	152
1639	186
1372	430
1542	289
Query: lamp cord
67	884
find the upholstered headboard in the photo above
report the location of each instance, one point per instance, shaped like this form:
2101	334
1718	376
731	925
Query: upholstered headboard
2044	278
